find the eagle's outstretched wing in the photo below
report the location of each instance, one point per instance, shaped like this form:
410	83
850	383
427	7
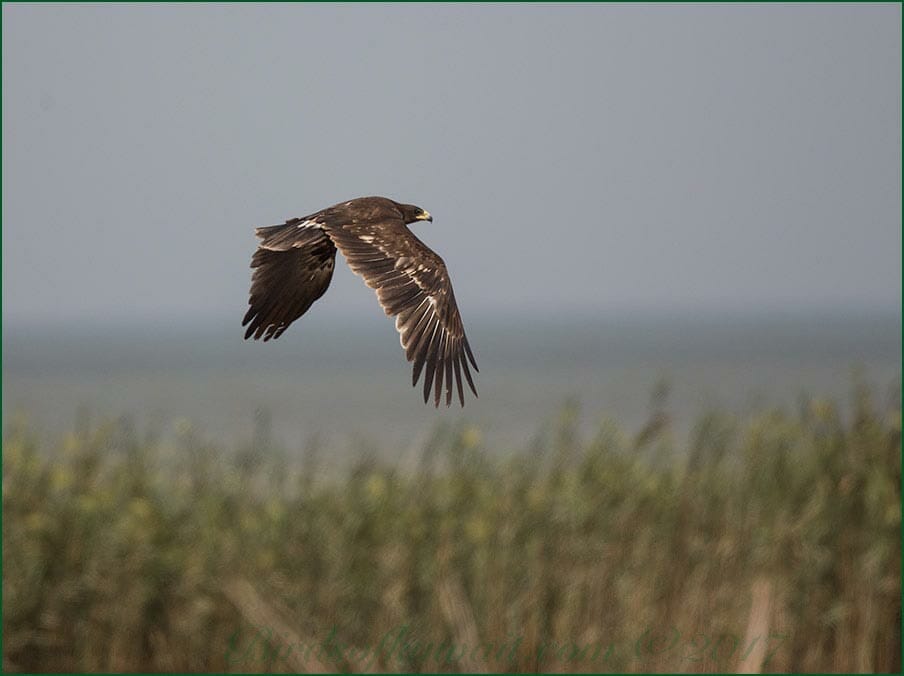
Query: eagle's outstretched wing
412	285
293	266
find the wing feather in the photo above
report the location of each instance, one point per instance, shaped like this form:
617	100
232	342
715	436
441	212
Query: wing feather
411	317
293	266
430	361
412	284
456	363
464	367
422	348
450	351
441	339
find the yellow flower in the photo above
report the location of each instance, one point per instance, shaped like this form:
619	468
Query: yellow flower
87	503
471	437
536	496
477	529
140	509
375	487
36	521
60	478
71	444
821	408
275	510
248	522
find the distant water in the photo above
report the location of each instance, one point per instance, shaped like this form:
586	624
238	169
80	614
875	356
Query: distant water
348	383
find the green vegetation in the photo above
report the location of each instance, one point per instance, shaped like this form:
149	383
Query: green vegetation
770	542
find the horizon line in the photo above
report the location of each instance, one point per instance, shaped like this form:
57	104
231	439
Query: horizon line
519	315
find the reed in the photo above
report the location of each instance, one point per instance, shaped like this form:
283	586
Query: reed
769	542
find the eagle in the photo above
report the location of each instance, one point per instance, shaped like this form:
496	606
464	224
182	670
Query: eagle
293	266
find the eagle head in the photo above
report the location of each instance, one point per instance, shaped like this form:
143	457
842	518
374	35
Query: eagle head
412	213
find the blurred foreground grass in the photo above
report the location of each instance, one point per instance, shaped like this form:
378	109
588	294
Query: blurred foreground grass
765	543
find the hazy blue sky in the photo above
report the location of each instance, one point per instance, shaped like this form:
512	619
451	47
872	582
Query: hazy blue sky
577	159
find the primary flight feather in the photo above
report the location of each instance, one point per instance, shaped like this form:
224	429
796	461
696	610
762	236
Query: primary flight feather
293	266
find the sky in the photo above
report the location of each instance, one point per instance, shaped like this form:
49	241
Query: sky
577	160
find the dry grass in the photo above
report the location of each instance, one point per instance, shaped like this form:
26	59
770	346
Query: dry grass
770	543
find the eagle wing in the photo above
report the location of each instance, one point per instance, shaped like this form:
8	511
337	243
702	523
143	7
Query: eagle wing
293	266
413	285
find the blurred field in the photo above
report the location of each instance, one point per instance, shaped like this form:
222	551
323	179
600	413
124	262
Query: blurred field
768	541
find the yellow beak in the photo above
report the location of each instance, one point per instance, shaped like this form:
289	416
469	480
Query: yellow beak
425	216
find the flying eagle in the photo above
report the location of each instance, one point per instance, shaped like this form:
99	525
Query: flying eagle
293	266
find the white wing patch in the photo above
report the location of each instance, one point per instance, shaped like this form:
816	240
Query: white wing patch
398	320
309	224
367	238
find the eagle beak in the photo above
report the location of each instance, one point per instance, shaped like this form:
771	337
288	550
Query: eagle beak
425	216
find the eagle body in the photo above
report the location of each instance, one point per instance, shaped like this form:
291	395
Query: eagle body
294	263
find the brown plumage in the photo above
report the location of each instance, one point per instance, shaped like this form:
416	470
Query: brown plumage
293	266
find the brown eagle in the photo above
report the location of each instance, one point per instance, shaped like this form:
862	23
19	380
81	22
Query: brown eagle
293	266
